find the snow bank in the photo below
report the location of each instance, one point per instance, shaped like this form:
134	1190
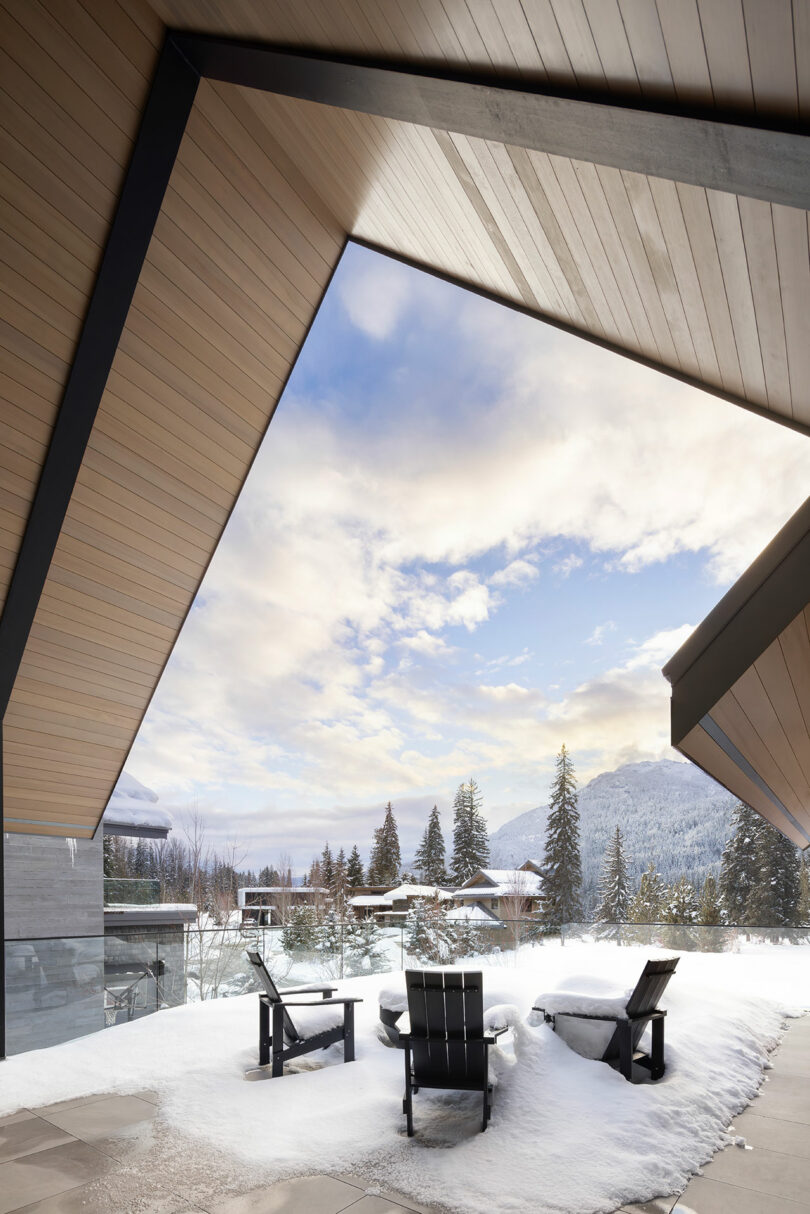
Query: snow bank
568	1135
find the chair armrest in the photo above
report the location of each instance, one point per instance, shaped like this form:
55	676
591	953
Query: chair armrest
306	990
494	1034
590	1016
323	1002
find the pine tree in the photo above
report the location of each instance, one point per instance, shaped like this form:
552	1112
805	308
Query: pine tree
300	932
470	836
773	901
803	908
340	880
268	877
681	904
647	905
364	947
327	867
710	906
315	877
430	855
384	863
739	865
354	869
563	863
329	935
429	937
614	891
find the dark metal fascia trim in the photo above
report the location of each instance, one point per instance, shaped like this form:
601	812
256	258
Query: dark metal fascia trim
738	156
122	831
745	622
594	339
738	758
164	120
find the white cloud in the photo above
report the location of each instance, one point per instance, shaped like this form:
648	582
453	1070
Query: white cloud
568	564
600	632
517	573
376	296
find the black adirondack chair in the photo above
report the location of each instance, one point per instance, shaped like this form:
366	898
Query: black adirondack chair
642	1009
446	1046
279	1039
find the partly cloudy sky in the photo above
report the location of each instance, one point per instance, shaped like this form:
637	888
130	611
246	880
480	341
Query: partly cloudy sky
467	538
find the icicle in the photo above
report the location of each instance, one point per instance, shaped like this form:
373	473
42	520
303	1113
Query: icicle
72	849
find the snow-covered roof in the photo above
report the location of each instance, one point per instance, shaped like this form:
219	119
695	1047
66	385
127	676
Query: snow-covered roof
134	805
368	900
415	891
501	883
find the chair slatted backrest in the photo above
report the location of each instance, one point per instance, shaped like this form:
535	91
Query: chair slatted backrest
446	1012
645	999
271	991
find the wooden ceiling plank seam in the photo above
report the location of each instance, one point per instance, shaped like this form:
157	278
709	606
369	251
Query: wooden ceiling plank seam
52	761
35	242
110	712
27	294
222	148
209	433
521	40
777	679
550	42
793	267
27	360
16	436
608	31
523	221
63	734
170	278
445	39
490	30
516	188
28	407
642	204
753	699
134	558
131	68
103	630
576	182
646	39
21	777
47	230
686	51
786	778
552	232
110	609
452	146
602	220
481	167
771	54
697	220
147	349
72	641
133	538
723	27
725	213
97	691
794	642
152	592
760	251
28	43
50	283
579	44
472	45
53	347
47	654
673	226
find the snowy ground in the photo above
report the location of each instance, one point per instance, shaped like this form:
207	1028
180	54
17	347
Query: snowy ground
568	1135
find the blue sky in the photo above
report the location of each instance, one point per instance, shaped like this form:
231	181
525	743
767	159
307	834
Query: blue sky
468	537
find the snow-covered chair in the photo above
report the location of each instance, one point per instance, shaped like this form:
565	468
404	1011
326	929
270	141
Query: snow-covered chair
280	1039
630	1016
446	1046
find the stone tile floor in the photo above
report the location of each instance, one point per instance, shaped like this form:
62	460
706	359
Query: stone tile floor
110	1154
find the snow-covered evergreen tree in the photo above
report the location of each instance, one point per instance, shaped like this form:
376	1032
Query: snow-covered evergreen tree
386	860
739	870
468	941
330	934
681	903
648	904
470	835
327	867
354	869
614	893
803	909
364	943
340	881
562	884
774	899
429	937
300	932
430	855
710	905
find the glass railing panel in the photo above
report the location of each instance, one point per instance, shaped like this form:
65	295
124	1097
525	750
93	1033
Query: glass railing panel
54	990
131	891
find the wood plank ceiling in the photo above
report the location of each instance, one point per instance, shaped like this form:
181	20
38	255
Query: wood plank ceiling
264	193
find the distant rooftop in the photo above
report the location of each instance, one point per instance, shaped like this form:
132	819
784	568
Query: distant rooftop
133	811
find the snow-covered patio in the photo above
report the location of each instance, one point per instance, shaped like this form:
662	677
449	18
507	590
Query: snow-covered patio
568	1135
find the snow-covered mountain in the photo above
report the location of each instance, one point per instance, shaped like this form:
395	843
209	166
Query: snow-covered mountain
668	812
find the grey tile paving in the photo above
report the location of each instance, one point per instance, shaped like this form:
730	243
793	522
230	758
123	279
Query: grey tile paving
308	1195
772	1133
61	1105
26	1133
376	1205
88	1199
99	1119
659	1205
780	1175
704	1196
30	1179
372	1188
784	1096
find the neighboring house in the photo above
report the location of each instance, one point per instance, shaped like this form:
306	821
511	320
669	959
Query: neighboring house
392	905
270	905
508	893
475	914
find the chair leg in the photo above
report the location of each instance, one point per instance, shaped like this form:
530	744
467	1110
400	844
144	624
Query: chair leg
348	1032
625	1049
264	1034
407	1103
657	1067
487	1107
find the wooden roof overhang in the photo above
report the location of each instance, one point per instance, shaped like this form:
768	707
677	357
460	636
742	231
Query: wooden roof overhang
741	685
174	206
